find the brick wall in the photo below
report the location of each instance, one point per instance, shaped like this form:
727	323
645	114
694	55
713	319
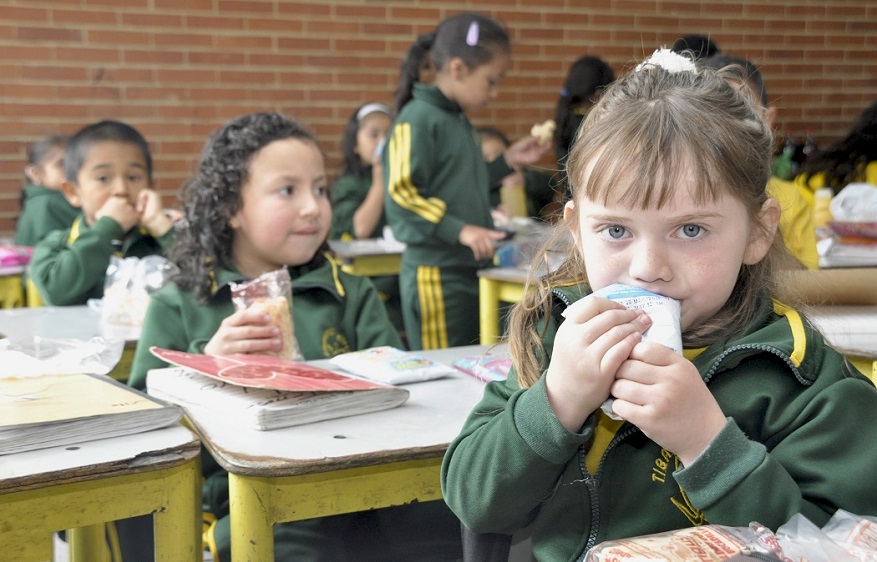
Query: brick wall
177	69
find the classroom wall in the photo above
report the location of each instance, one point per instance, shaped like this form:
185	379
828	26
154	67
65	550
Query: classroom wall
177	69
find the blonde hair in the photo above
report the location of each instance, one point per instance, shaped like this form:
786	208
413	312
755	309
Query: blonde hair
652	130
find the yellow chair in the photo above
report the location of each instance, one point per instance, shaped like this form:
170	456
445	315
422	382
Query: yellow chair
11	291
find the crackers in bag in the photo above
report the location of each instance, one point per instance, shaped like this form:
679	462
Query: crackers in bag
271	294
544	131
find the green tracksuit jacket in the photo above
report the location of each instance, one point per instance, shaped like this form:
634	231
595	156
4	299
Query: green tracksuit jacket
333	313
69	266
437	179
348	193
799	439
42	211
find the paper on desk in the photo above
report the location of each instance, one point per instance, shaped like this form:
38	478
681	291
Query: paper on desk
45	356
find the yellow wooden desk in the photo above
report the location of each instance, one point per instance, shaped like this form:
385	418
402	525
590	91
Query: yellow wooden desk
370	258
66	322
338	466
83	486
495	285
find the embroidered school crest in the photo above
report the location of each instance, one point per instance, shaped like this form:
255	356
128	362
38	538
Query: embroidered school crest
334	343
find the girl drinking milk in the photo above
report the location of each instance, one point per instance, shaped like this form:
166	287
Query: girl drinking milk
757	420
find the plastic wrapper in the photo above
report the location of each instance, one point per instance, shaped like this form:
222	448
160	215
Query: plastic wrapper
129	285
845	538
48	356
271	294
857	202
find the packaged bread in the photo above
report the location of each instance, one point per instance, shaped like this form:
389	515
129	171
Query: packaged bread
271	294
544	131
708	543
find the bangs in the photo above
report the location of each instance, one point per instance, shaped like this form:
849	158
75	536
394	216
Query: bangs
641	163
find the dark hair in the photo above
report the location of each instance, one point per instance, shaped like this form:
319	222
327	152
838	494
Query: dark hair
750	72
585	81
103	131
493	133
472	37
38	151
409	70
844	162
210	198
352	163
700	46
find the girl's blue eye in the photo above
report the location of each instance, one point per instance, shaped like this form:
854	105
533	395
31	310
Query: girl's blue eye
691	230
286	190
615	232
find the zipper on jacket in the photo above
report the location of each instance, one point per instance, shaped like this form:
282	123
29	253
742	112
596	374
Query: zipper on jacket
769	349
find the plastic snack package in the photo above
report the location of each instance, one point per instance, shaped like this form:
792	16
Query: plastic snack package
705	543
128	287
271	294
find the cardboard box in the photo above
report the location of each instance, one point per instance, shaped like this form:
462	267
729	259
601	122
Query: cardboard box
852	286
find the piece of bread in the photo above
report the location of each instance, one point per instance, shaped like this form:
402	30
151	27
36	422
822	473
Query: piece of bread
544	131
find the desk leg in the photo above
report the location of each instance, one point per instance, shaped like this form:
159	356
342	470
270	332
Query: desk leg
88	543
252	522
488	310
178	524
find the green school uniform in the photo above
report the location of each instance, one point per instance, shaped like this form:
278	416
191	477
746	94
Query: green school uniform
348	193
437	182
333	313
797	440
42	211
69	266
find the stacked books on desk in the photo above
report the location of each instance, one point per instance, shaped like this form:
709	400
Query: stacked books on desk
851	244
50	410
265	392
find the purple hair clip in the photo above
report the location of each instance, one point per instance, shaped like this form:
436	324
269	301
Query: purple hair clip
472	34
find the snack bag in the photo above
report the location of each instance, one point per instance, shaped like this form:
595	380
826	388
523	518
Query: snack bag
128	287
271	294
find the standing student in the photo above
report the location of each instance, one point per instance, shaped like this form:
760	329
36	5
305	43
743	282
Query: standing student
43	206
259	202
437	198
108	175
758	419
358	194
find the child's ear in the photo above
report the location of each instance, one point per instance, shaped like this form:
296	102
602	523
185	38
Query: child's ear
32	173
762	235
571	219
457	68
71	193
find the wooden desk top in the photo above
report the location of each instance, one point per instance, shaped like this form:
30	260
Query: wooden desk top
151	450
421	428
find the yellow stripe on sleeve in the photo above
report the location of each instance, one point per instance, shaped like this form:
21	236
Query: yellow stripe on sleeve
400	186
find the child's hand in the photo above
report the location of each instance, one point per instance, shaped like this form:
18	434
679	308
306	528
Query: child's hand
596	338
526	151
480	240
120	210
153	218
245	331
664	395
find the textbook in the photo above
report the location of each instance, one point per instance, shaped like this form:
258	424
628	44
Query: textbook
50	410
391	365
265	392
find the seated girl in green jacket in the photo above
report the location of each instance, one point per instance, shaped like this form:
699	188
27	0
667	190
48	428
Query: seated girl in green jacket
259	202
755	419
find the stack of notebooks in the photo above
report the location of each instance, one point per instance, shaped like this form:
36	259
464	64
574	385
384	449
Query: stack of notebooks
263	392
50	410
851	244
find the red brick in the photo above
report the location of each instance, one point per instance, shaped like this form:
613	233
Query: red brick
50	34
